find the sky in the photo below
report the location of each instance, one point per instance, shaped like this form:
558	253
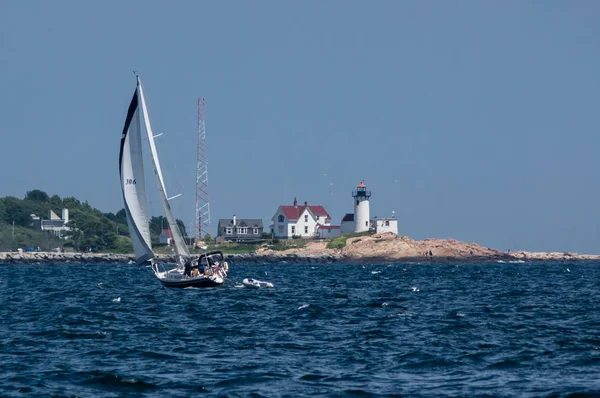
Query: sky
470	120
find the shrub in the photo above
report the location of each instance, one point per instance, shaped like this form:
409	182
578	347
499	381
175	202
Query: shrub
340	241
337	243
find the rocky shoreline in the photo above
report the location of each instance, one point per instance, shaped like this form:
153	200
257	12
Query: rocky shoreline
101	258
304	257
374	249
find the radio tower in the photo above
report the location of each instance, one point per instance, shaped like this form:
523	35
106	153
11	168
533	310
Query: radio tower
202	198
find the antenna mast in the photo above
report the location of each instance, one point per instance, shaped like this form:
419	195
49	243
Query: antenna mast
202	198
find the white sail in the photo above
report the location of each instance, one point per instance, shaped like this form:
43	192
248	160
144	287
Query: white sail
131	170
180	246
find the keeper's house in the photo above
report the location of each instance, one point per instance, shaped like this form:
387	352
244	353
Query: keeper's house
239	229
301	221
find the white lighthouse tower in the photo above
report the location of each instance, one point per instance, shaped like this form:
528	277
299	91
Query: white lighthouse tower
361	208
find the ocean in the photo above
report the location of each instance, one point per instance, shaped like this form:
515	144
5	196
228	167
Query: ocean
324	330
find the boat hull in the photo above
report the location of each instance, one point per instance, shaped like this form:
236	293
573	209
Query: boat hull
204	282
177	277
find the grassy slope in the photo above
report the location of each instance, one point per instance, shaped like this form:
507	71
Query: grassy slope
27	237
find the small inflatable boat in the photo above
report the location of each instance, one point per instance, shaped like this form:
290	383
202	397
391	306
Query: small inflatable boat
255	283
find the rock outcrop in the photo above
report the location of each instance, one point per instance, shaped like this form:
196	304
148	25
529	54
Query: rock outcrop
378	248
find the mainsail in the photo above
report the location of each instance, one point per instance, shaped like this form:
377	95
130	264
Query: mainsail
180	246
131	170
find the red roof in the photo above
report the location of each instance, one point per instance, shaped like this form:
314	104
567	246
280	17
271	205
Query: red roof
361	185
294	212
329	227
167	233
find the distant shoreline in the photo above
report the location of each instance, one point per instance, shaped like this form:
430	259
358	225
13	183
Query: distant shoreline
374	249
48	258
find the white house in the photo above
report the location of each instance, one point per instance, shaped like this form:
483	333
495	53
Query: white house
328	231
386	225
55	224
302	221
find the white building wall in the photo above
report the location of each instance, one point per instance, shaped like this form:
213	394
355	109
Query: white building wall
292	229
347	227
329	233
307	225
323	220
286	225
381	227
361	214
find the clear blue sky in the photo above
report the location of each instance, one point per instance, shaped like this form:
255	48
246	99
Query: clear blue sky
474	120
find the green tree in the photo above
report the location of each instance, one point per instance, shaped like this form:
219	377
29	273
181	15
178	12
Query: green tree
37	195
157	224
56	201
71	203
121	216
2	211
15	211
181	226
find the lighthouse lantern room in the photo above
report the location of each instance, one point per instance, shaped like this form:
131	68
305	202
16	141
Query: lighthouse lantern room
361	208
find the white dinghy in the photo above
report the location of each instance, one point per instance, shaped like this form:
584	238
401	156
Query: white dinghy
256	284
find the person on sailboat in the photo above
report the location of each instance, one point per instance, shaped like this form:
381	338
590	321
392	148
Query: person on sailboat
188	267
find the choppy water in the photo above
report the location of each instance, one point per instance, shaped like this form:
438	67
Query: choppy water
325	330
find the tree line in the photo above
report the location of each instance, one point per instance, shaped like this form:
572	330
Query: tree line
90	228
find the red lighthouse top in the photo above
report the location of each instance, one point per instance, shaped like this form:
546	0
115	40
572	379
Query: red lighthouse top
361	185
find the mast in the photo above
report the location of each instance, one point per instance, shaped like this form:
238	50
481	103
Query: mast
202	215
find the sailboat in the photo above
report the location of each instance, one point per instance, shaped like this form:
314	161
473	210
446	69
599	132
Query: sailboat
207	270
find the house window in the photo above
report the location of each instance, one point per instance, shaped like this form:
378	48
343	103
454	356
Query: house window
228	231
280	218
280	229
387	223
255	231
293	230
317	218
366	223
306	229
306	218
242	231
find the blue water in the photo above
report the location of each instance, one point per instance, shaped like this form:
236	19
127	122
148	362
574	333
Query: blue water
324	330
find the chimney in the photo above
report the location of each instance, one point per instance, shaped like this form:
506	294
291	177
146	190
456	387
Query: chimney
305	203
234	220
65	216
295	201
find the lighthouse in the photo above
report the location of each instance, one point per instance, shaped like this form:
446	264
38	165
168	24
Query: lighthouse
361	208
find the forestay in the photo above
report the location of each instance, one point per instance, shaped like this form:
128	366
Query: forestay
180	245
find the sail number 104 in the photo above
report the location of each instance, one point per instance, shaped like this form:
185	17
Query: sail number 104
130	181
